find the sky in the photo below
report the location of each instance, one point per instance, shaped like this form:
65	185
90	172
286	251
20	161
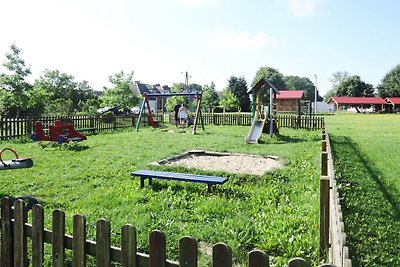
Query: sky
212	40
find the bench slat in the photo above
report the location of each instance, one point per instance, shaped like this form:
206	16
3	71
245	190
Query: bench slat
180	176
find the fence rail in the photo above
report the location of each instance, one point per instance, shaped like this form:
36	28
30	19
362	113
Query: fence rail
332	235
15	249
19	127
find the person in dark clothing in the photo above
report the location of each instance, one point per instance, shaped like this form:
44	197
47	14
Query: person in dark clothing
176	110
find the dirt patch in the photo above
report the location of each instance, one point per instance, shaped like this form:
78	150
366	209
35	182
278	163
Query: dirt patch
228	162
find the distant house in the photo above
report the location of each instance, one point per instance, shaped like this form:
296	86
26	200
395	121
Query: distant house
393	104
359	103
289	101
139	89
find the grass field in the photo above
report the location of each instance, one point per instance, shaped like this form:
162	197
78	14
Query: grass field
366	156
276	212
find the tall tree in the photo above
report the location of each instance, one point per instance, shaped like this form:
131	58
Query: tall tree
354	86
120	94
272	75
390	85
302	83
210	96
238	86
338	77
13	86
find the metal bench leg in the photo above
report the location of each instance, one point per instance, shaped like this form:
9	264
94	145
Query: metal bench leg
150	181
209	188
142	182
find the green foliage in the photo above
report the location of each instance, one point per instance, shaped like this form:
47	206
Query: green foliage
390	85
302	83
276	212
354	86
13	86
238	86
210	97
272	75
61	94
120	94
229	101
366	165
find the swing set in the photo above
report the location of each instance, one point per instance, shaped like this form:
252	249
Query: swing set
152	122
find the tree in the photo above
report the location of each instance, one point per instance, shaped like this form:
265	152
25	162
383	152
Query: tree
272	75
302	83
338	77
210	96
390	85
120	94
238	86
354	86
13	86
229	101
65	96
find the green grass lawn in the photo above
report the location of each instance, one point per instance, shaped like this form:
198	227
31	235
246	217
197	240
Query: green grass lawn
276	212
367	159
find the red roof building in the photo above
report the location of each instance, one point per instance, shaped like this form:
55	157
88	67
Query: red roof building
288	101
353	101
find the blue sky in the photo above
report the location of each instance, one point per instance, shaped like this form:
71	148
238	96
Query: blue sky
211	39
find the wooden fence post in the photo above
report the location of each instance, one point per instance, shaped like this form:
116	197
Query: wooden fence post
324	216
78	241
298	262
58	250
37	235
157	250
187	252
221	256
128	246
20	236
7	239
103	243
258	258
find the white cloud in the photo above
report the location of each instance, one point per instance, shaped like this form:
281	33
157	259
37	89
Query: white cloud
303	8
228	39
199	3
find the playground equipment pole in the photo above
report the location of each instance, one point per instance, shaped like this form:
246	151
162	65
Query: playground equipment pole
315	95
271	124
198	112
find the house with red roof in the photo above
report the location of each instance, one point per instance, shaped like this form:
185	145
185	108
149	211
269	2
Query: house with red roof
393	104
289	101
342	102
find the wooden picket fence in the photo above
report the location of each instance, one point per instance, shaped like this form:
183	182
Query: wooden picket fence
15	231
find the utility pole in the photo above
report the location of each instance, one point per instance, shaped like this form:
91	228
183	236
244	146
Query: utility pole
186	86
315	95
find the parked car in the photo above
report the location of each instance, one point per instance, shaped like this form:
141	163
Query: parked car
113	109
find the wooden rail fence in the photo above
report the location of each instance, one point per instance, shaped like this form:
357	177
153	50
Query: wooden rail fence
332	235
15	250
19	127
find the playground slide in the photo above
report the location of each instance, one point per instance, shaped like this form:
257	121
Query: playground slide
255	130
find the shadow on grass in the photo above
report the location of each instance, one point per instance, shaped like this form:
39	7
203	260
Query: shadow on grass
373	173
370	206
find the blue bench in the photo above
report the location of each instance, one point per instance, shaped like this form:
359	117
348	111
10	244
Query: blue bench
150	174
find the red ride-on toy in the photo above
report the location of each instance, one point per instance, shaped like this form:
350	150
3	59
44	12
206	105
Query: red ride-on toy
61	133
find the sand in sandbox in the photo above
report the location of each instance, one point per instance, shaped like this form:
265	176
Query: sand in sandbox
233	163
